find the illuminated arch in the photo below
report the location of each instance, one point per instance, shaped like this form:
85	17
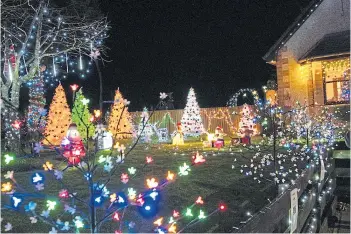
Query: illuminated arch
233	101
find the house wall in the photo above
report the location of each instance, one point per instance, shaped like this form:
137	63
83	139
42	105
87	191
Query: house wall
330	16
304	83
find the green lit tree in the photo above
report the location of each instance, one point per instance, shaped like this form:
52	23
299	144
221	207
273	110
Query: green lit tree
81	116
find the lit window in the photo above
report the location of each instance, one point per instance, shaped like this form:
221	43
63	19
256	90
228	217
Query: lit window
337	83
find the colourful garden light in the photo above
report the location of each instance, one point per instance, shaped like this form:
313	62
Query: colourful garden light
16	202
131	170
74	87
131	193
201	215
188	212
124	178
149	159
170	176
115	216
6	187
175	214
64	193
48	166
151	183
198	158
37	178
199	201
8	158
172	228
158	222
51	204
184	170
16	124
222	207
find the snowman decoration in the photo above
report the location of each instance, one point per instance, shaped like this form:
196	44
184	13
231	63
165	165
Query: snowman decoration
104	138
72	145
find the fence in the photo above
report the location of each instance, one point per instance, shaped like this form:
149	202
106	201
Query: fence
275	217
227	118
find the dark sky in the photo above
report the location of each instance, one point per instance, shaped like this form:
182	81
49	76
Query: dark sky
170	45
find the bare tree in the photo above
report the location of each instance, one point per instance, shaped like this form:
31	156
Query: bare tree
36	32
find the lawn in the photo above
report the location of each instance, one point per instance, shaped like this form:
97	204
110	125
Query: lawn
215	181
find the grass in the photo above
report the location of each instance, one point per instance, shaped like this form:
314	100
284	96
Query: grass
215	181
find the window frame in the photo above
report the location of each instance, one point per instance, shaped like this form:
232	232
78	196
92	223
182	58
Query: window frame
341	79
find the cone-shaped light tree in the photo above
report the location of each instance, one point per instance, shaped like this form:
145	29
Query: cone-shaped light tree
191	119
247	121
81	116
120	124
59	118
36	104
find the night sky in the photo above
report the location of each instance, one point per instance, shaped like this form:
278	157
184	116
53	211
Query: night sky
170	45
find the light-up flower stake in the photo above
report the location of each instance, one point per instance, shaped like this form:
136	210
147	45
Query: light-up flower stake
74	87
124	178
198	158
149	160
159	221
170	176
151	183
199	201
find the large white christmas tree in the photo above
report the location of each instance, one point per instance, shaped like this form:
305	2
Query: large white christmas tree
191	119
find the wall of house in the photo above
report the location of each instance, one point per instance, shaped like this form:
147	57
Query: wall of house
329	17
304	82
294	80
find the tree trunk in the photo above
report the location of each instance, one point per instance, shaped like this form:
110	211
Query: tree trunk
100	79
4	91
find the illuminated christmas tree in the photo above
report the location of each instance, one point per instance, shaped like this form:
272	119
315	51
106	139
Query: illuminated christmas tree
59	118
246	121
81	116
191	119
36	105
119	123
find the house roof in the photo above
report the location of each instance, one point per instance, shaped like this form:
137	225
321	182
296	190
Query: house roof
331	44
271	54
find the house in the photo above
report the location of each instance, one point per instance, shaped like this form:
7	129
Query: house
312	57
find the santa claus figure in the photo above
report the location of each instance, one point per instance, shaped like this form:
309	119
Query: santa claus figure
178	139
219	136
72	144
